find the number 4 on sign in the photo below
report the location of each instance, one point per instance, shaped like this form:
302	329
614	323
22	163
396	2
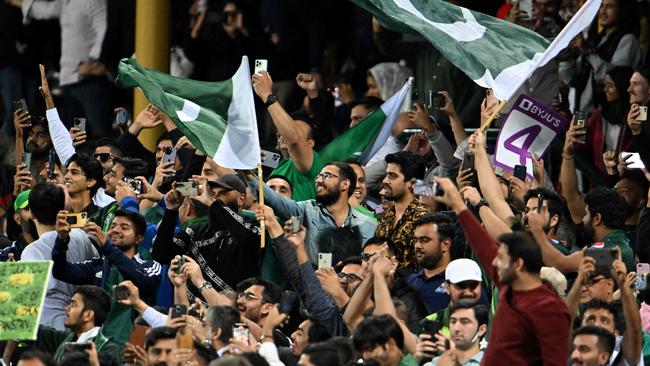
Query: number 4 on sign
531	134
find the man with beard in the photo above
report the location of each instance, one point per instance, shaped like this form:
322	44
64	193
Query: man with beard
213	233
256	297
464	280
592	346
531	324
82	179
23	217
119	261
86	313
330	211
468	324
396	223
553	209
602	225
433	236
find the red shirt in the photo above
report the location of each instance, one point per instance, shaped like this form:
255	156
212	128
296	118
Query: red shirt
529	327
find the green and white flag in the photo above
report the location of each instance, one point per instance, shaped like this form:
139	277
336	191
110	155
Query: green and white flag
365	139
217	117
494	53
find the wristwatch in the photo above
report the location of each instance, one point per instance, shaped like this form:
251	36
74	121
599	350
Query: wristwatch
270	100
204	285
480	204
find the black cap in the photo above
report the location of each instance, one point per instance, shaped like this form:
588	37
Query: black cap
229	182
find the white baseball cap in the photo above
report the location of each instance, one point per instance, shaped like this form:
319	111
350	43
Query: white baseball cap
463	269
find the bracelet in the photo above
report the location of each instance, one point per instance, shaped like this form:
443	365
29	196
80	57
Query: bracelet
480	204
204	285
567	156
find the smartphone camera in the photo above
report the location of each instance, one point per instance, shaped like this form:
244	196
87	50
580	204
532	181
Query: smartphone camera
135	184
438	101
122	292
179	265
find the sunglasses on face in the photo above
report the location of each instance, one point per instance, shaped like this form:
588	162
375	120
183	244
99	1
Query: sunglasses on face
593	280
348	277
103	157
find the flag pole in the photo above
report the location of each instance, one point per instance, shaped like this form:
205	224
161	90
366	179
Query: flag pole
494	114
260	183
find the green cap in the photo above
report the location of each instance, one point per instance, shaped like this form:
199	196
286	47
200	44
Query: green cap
22	200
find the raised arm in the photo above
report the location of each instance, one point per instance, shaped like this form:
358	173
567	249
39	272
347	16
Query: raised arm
294	135
569	177
551	256
492	223
58	133
632	337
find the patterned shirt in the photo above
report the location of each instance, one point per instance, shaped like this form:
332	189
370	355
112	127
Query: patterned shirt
402	233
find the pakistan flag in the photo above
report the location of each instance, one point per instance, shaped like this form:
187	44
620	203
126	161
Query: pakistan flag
217	117
494	53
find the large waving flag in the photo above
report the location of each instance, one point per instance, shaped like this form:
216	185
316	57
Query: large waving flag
365	139
217	117
494	53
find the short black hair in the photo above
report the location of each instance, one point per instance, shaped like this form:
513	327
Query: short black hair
322	354
372	103
45	358
116	150
347	260
318	332
164	136
380	240
606	339
158	333
133	167
272	293
138	221
442	221
609	204
223	317
376	331
614	307
200	208
45	202
344	348
346	172
481	312
281	177
412	166
96	299
521	245
90	167
554	202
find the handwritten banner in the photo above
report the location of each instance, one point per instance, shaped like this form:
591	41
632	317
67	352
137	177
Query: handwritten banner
22	292
529	129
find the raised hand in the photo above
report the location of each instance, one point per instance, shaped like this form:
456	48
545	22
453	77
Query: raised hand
262	84
21	122
308	83
572	136
45	89
632	115
61	226
150	117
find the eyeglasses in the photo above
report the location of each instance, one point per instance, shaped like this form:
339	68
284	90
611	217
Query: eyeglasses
593	280
466	285
348	277
326	175
103	157
248	296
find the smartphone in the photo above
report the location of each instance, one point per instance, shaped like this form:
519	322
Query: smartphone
178	310
80	123
422	188
604	258
430	327
240	331
187	188
27	159
169	155
137	334
185	338
520	172
179	265
270	159
540	202
580	121
21	105
643	114
51	162
295	224
634	160
526	6
407	133
261	65
641	281
122	292
70	347
122	117
438	100
415	98
135	184
468	161
324	260
77	219
288	302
